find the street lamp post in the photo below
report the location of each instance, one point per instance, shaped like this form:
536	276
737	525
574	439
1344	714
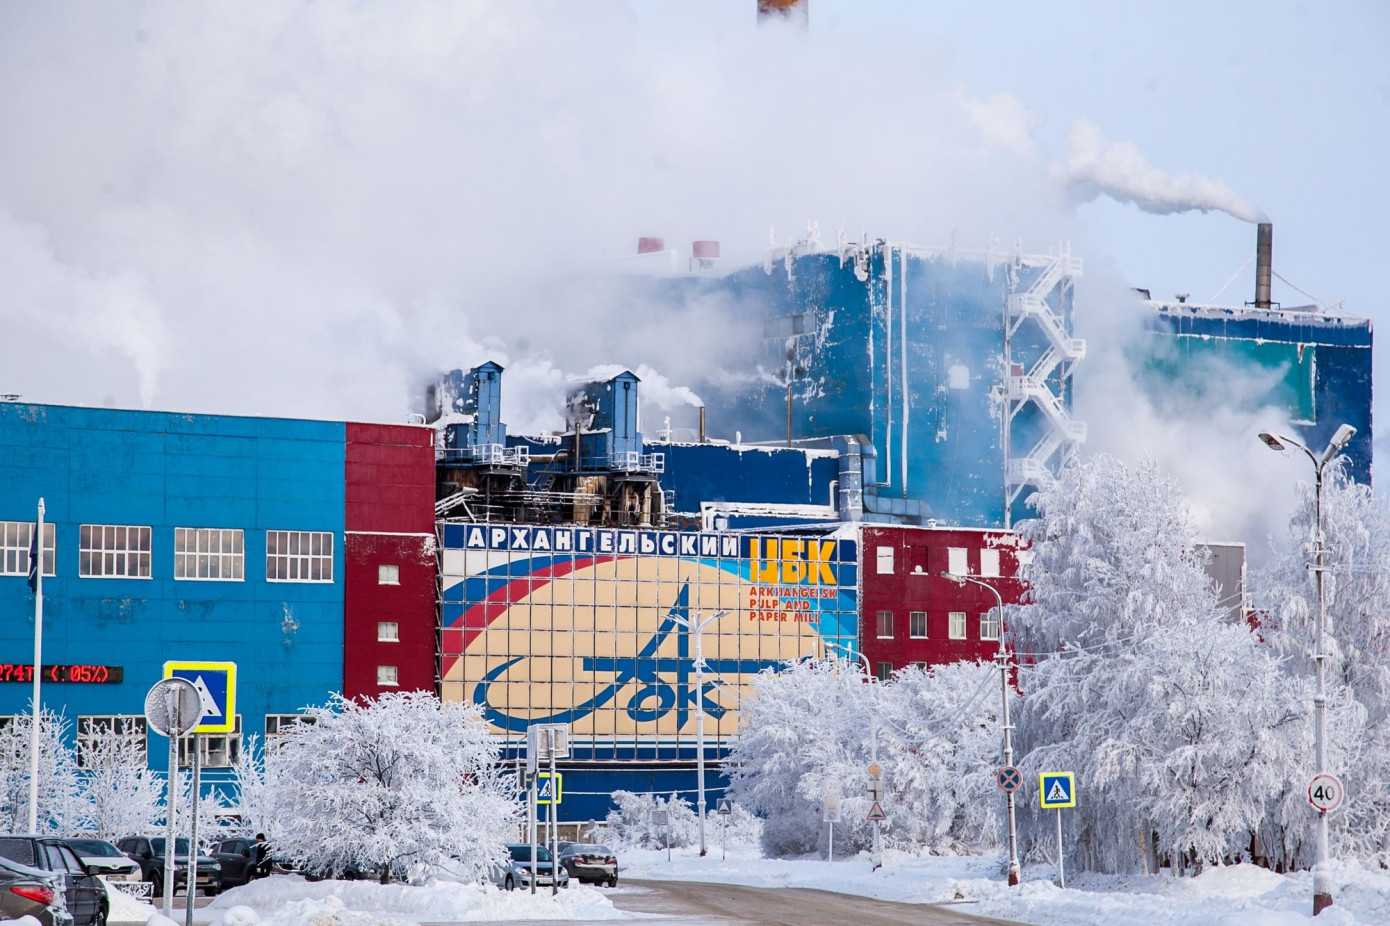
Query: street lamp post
876	858
1001	657
695	628
1322	881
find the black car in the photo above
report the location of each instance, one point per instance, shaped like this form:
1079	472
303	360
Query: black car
148	853
588	863
82	889
239	858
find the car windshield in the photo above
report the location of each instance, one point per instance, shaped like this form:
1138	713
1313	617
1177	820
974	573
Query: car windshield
523	853
180	845
94	848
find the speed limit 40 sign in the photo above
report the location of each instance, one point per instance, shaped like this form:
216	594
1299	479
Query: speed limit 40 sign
1325	792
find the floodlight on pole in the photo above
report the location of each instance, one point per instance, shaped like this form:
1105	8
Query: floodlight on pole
1002	658
1322	880
876	856
695	629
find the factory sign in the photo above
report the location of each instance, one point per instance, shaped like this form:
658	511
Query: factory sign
592	628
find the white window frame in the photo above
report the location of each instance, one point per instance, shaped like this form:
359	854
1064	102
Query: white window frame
92	728
15	539
881	618
883	671
885	561
388	574
388	676
912	618
388	631
277	725
215	750
989	562
290	556
208	554
989	625
956	625
114	551
957	561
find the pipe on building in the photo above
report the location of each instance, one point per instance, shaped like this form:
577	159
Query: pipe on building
1264	263
702	424
851	481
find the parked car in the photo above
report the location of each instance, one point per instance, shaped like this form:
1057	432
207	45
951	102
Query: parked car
148	853
26	891
238	858
83	893
108	861
588	863
516	871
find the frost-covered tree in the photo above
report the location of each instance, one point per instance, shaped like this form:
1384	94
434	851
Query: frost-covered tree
1178	723
1356	592
59	798
119	794
404	782
631	822
257	789
803	734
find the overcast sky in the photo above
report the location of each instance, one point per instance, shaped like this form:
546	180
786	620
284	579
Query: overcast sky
307	208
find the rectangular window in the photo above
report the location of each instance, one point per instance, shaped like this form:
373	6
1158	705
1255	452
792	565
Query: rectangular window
111	740
15	538
989	625
387	574
298	556
918	665
885	625
388	632
107	551
956	562
989	562
280	724
957	625
208	553
386	675
885	561
883	671
917	625
215	750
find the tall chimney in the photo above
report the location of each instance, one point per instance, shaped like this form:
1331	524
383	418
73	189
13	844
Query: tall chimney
702	424
1264	248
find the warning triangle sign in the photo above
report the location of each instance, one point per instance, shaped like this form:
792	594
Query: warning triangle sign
210	706
1057	794
876	812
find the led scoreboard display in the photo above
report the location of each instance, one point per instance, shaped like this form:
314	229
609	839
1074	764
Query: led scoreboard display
84	675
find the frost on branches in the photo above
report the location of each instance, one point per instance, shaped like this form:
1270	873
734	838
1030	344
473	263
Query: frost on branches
59	789
806	733
1356	591
121	794
631	822
1178	722
405	782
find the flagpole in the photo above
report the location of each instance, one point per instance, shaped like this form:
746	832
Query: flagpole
37	565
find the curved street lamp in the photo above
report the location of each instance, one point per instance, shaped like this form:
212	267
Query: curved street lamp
1322	881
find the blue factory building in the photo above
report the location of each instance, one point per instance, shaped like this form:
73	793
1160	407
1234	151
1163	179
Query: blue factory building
174	537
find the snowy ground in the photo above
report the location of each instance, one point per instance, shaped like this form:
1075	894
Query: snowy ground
1237	896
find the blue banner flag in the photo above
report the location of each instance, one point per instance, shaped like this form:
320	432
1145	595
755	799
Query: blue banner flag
34	559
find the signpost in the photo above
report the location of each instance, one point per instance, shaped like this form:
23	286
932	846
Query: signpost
172	709
726	808
830	814
215	683
1055	791
546	742
663	818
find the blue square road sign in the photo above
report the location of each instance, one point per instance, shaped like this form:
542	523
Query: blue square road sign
1056	789
216	684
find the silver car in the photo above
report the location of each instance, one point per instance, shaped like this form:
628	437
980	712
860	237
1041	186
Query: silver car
26	891
516	872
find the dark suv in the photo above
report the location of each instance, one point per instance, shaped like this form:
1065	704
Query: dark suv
239	858
83	891
148	853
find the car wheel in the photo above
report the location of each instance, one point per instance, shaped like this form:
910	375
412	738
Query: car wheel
613	881
100	918
157	884
510	883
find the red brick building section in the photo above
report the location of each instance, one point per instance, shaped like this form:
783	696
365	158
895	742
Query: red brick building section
390	584
910	614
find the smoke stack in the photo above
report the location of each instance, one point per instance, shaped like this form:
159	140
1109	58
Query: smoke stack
702	424
650	245
795	11
703	254
1264	249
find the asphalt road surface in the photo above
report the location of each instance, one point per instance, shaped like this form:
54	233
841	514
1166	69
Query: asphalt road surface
686	903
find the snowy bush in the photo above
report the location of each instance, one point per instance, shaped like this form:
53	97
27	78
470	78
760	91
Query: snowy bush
119	794
738	827
630	823
59	786
403	783
1179	724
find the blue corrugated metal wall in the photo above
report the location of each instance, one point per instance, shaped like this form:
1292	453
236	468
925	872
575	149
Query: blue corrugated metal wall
95	466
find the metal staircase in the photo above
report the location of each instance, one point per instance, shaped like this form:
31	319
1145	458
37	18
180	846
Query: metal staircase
1044	378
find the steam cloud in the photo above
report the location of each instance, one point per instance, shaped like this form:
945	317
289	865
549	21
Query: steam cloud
1118	169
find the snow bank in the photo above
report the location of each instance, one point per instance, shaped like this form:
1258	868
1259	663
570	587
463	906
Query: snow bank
292	901
124	908
1238	895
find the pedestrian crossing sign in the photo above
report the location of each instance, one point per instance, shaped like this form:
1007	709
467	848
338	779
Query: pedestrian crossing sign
548	790
216	684
1056	789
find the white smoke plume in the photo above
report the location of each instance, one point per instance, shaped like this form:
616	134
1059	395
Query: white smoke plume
1096	166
